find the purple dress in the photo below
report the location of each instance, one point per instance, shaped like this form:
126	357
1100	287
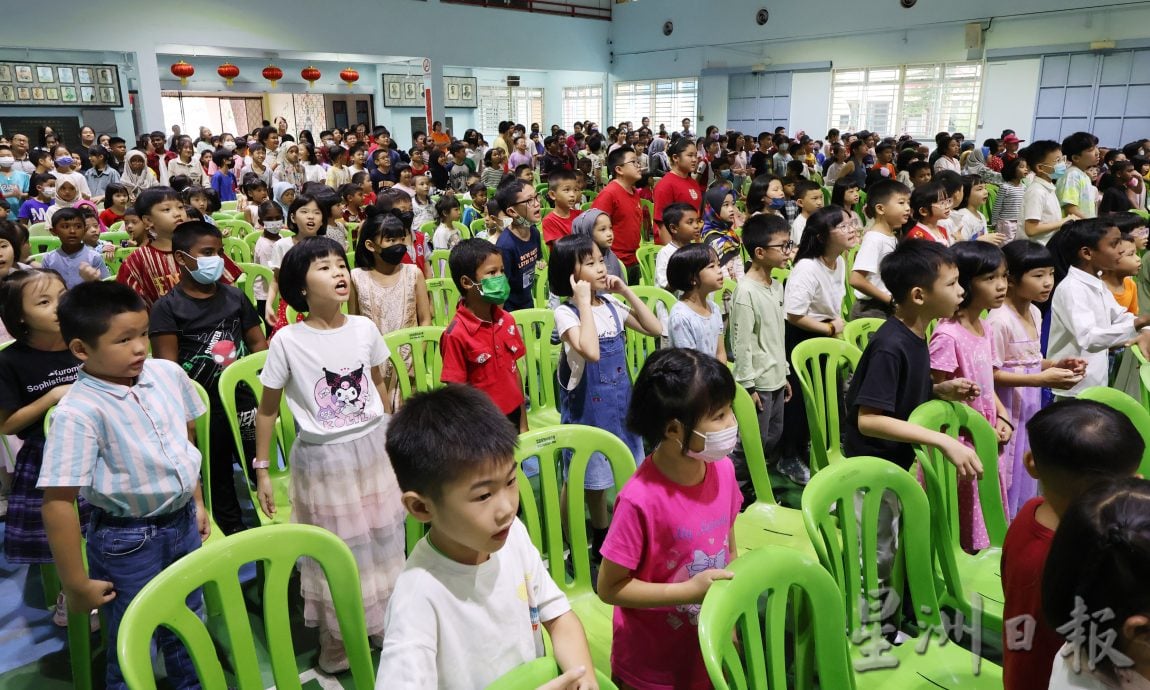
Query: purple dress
1021	353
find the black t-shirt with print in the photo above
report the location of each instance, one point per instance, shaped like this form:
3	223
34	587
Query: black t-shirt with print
26	374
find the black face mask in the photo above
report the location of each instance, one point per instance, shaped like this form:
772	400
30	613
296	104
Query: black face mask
406	217
394	254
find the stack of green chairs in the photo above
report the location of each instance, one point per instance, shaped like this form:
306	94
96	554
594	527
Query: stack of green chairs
858	332
444	299
421	344
537	367
823	366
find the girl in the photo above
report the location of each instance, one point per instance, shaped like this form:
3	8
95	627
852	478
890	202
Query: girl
1007	212
271	223
406	181
695	321
313	171
1114	186
35	373
66	170
290	169
672	535
813	302
492	167
931	205
846	196
283	193
1015	328
340	477
766	196
962	347
967	222
115	203
678	185
256	165
134	226
948	148
719	231
66	197
594	385
657	162
207	165
384	289
437	169
306	218
977	165
838	162
447	214
256	191
596	224
421	204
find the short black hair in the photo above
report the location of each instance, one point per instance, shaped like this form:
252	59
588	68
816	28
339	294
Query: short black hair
677	383
882	191
1039	151
558	177
1084	439
1126	221
297	261
154	196
376	226
86	311
817	233
302	200
65	214
949	179
803	186
565	256
1073	236
13	285
673	213
913	263
758	230
973	259
188	233
479	188
926	196
431	441
465	258
686	262
1077	143
221	158
1010	168
1023	256
615	158
508	193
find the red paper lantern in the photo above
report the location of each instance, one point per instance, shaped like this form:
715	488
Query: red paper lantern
183	70
350	76
273	74
228	71
310	75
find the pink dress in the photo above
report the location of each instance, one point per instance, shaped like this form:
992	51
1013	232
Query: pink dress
1021	353
958	353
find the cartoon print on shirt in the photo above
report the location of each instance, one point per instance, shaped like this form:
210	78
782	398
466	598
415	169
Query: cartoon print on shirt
699	562
346	391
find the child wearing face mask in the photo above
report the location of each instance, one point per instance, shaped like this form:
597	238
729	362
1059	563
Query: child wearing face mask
35	209
66	197
272	224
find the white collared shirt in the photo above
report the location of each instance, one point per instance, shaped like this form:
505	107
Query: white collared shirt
1086	321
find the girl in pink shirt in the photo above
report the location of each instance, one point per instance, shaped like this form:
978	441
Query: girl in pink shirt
671	535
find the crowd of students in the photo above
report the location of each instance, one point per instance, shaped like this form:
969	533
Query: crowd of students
1036	301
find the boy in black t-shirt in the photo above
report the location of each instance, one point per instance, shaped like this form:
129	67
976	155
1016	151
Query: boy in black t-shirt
206	326
521	244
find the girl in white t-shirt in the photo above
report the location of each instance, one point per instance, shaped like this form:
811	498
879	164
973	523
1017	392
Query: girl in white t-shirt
306	218
341	480
695	321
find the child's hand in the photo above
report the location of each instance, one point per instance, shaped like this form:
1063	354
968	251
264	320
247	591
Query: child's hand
1003	429
957	390
1074	364
839	325
541	265
993	238
696	588
965	460
788	392
92	594
580	292
1057	377
615	284
575	679
89	273
265	493
203	521
270	315
757	400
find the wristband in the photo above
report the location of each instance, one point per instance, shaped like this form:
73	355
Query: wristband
831	324
1006	421
261	464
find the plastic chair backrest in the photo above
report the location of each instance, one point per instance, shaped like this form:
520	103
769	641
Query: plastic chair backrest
237	250
438	263
648	230
722	298
229	205
162	602
477	226
253	272
858	332
823	365
464	231
115	237
251	238
743	625
536	368
117	259
240	227
833	503
44	244
1128	406
646	256
426	358
428	228
639	346
115	227
751	439
540	289
444	300
39	230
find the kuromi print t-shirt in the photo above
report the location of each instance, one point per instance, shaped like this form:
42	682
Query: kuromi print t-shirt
326	375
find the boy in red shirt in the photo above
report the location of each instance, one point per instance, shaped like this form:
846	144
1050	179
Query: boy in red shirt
620	201
482	343
1073	445
563	192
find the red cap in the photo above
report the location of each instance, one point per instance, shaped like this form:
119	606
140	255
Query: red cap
1012	139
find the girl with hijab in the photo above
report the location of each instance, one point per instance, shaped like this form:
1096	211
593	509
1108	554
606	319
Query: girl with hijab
596	224
283	193
137	175
975	164
719	217
436	169
657	161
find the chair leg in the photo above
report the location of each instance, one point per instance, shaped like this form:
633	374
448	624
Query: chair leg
80	649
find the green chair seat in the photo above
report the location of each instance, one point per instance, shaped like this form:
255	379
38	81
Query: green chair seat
535	673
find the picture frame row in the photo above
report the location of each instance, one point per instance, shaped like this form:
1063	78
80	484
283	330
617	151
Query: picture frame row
406	91
59	84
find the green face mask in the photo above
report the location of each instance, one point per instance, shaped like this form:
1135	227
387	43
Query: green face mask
495	289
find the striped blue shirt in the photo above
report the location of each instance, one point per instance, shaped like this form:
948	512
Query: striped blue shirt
127	447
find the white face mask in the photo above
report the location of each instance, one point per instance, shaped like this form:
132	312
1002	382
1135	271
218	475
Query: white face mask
7	161
716	444
229	146
49	192
274	226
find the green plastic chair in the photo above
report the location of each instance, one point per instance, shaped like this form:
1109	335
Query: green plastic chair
115	236
640	346
118	258
646	255
464	231
426	357
548	445
239	227
534	674
224	214
858	332
115	227
537	367
847	547
1143	376
44	244
246	370
823	365
540	289
438	263
444	300
961	574
39	230
763	522
722	298
743	625
229	205
251	238
428	229
253	272
214	567
647	229
237	250
1128	406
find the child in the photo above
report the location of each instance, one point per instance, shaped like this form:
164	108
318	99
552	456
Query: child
134	226
1120	279
142	478
1092	571
447	215
809	198
1086	321
475	210
151	270
74	261
99	174
1041	213
1075	189
200	199
962	347
1015	327
257	166
693	273
460	168
66	197
920	173
13	182
306	218
719	231
338	174
352	196
473	594
594	386
679	184
757	343
391	293
405	180
931	205
482	326
1114	186
115	204
256	191
967	220
888	203
597	225
846	196
283	193
204	327
35	208
563	192
137	175
421	203
1007	212
494	222
341	479
682	225
521	244
223	181
398	203
271	225
672	533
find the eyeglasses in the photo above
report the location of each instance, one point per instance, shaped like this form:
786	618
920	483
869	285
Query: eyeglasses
531	201
846	226
634	162
785	246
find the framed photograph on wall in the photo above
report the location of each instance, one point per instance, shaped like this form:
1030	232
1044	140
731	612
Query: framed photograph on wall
24	74
24	93
85	75
7	93
66	75
5	72
104	75
61	85
68	94
402	91
45	74
459	92
52	93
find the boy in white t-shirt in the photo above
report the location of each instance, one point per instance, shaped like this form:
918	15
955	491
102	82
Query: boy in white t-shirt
470	601
809	197
888	202
682	222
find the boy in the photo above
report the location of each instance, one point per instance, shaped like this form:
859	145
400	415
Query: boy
563	190
142	478
920	173
521	245
35	208
338	174
808	198
682	223
469	603
1041	212
481	344
620	200
204	327
889	205
1073	445
475	210
223	181
100	174
13	183
1075	190
884	155
74	261
352	196
151	270
460	167
363	181
757	345
782	156
553	161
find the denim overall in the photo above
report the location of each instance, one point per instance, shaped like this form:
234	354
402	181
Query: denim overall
601	399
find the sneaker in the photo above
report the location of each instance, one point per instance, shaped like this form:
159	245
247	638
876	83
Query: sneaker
332	655
60	612
795	470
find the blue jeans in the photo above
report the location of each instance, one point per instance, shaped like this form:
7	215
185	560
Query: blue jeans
129	552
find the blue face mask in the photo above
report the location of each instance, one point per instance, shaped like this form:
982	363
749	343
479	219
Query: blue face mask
208	269
65	161
1059	171
779	203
